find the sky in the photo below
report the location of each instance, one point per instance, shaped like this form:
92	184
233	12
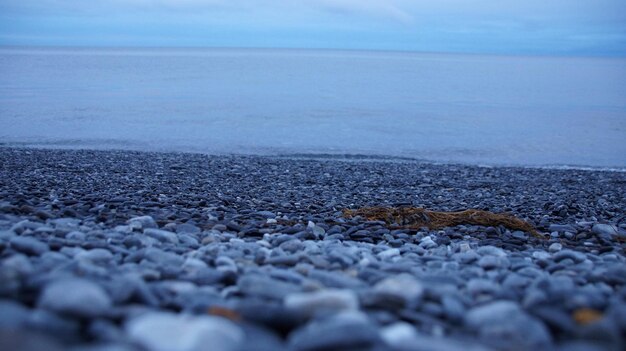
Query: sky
520	27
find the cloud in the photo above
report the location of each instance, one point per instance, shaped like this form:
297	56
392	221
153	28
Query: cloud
388	9
407	11
401	24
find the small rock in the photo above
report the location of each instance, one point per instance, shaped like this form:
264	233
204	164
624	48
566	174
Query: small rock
403	336
19	263
187	228
479	286
260	286
571	254
561	228
24	340
581	346
75	235
403	288
75	296
226	264
345	331
427	243
316	229
52	323
65	222
28	245
188	240
491	251
502	323
142	222
518	234
335	279
605	231
491	262
466	257
266	214
161	331
12	315
464	247
541	255
95	255
555	247
453	308
325	300
398	334
163	257
194	264
21	226
161	235
389	253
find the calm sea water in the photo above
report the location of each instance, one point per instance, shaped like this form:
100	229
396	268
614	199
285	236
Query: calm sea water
448	108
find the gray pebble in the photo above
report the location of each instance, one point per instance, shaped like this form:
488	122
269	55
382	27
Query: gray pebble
348	331
67	329
571	254
159	256
491	250
453	308
259	286
19	263
403	288
188	240
561	228
482	286
403	337
492	262
605	231
427	243
162	331
161	235
466	257
502	323
76	235
555	247
25	340
78	297
335	279
389	253
13	315
330	300
95	255
142	222
28	245
187	228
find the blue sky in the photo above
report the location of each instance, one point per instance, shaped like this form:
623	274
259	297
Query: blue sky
544	27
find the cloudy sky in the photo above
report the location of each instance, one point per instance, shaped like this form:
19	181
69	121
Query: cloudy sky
545	27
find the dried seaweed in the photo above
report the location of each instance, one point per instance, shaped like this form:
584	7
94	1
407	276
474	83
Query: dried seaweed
415	218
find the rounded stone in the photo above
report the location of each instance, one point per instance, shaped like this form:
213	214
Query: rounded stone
325	300
29	245
402	287
162	331
77	297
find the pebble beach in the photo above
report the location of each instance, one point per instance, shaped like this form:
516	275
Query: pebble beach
125	250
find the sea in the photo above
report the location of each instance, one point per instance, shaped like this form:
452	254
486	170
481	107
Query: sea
448	108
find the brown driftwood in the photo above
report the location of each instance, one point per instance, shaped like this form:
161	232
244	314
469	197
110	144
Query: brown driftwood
415	218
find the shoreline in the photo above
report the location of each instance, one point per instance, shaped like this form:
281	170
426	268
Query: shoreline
321	156
103	249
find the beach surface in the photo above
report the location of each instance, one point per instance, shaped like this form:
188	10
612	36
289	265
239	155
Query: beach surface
124	250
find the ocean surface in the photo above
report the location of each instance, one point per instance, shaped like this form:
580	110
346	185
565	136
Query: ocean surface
494	110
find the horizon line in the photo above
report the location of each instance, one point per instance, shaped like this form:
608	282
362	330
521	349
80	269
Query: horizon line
329	49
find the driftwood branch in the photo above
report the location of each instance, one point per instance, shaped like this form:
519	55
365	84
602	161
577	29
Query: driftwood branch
415	218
